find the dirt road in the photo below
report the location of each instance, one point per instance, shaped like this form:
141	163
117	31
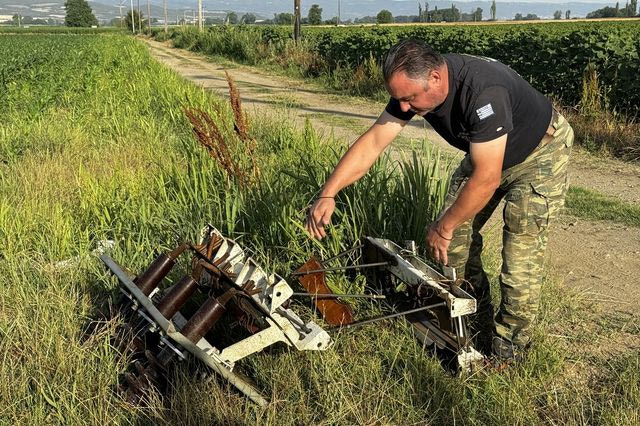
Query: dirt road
602	259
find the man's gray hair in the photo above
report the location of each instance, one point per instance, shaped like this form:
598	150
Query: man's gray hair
414	57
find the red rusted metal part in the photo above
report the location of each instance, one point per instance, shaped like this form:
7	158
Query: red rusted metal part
159	269
333	311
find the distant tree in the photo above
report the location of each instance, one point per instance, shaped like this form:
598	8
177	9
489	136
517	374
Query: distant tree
630	9
231	18
79	14
283	18
27	20
493	10
455	14
605	12
567	14
138	18
116	22
528	17
366	20
405	19
557	15
332	21
473	16
315	15
451	14
384	17
248	18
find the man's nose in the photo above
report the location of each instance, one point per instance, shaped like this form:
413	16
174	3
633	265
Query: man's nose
404	106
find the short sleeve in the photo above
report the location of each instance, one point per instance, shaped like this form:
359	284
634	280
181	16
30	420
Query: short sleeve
393	108
490	117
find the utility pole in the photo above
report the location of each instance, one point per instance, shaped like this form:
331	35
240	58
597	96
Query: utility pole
200	23
148	14
120	7
166	17
139	19
338	21
133	19
296	20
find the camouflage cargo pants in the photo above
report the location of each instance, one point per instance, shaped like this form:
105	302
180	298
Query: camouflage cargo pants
534	191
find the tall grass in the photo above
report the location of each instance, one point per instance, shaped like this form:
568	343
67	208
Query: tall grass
110	155
598	127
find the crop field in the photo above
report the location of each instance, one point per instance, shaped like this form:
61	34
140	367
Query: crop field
95	146
44	29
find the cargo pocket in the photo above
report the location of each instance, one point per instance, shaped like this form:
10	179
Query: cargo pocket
527	210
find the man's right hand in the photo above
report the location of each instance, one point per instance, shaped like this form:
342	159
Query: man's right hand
320	216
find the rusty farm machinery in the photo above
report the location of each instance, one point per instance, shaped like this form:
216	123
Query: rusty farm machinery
232	289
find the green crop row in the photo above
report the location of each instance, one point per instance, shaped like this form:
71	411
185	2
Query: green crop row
45	29
552	56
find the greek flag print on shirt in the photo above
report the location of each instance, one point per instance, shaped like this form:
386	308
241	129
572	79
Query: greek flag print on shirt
484	112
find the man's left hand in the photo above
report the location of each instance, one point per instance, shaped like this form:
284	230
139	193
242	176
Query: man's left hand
438	241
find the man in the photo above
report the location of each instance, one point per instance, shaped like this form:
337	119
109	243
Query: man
517	148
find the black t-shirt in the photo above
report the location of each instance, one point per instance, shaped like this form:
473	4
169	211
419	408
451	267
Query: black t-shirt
486	100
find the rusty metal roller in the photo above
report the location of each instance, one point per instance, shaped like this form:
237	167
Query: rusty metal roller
159	269
205	317
177	296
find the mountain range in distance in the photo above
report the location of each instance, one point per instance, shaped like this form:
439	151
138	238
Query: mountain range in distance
265	9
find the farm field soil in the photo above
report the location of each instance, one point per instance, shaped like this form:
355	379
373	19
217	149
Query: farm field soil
600	258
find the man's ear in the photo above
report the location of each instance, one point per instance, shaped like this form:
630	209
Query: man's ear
435	76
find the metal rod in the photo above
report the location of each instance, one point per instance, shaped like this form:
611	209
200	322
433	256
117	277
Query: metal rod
342	253
335	296
296	321
340	268
385	317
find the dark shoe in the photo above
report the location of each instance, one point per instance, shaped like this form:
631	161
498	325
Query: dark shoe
503	355
503	349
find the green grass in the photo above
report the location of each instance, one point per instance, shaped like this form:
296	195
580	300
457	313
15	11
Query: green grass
94	146
588	204
353	124
287	100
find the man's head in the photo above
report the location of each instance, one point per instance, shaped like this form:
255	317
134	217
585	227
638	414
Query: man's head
416	75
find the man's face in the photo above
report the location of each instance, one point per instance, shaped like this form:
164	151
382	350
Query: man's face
418	95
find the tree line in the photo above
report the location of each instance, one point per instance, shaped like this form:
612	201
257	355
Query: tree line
79	14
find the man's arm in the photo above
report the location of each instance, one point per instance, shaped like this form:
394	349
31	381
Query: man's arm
487	158
351	167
